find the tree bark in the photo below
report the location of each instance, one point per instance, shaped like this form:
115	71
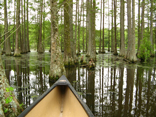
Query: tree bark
83	26
91	30
100	27
122	36
142	21
93	55
103	34
68	60
79	20
108	28
28	46
22	43
71	28
17	51
24	29
56	65
87	25
7	42
131	55
75	42
115	35
151	29
112	31
138	26
40	46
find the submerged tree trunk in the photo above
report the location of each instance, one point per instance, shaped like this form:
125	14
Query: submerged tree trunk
56	65
7	42
17	51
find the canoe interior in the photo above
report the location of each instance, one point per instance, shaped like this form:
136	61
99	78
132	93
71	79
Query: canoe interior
60	102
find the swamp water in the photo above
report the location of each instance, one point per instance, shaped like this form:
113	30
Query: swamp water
113	89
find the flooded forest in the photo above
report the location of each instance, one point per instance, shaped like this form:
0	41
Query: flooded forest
105	48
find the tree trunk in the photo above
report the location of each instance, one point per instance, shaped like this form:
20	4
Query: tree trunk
13	46
17	51
103	34
138	26
68	60
108	28
40	44
61	31
56	65
22	43
75	28
122	36
71	28
24	33
83	26
79	20
100	27
28	26
112	32
93	54
115	35
131	55
89	28
151	29
87	25
7	42
142	21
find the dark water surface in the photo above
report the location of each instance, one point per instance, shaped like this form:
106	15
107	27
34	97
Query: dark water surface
113	89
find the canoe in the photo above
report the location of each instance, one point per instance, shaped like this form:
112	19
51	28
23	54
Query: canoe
60	100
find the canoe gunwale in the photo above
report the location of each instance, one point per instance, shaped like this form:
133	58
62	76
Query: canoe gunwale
61	81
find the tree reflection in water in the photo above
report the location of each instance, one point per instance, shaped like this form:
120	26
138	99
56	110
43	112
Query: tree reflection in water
112	89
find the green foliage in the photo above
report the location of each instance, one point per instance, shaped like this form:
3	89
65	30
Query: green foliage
10	98
21	105
6	110
9	89
144	50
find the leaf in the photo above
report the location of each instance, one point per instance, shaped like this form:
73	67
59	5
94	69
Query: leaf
6	110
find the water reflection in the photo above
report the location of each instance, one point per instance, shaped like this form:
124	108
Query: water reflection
112	89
